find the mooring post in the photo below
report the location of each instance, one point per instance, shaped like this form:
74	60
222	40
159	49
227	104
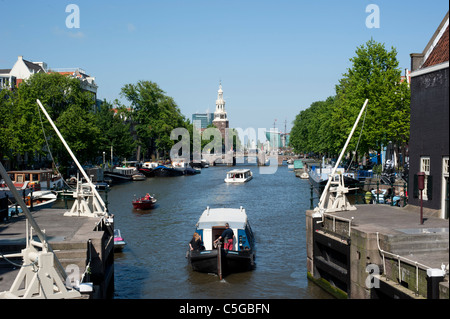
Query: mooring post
219	260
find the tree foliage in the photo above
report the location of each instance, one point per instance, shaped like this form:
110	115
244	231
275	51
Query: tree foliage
155	114
374	74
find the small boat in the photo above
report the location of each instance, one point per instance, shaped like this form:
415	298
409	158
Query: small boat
41	199
185	168
318	177
203	164
138	177
304	175
217	260
119	243
145	202
238	176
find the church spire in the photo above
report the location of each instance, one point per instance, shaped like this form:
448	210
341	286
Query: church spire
220	113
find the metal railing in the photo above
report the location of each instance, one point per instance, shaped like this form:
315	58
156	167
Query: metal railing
362	197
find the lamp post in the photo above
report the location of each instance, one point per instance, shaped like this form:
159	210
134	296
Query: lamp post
421	186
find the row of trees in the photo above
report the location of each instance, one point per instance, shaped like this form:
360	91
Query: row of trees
89	129
324	126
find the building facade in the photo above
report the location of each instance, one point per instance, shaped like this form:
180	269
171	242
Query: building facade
429	133
202	120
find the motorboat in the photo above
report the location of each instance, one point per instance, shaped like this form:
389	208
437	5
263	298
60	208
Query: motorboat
214	258
238	176
202	164
119	242
185	168
138	177
41	199
145	202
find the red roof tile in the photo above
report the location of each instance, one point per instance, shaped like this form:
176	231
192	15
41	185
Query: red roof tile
440	52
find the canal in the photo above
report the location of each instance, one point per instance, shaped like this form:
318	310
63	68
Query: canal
153	263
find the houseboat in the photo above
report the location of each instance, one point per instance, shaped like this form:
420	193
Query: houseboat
120	174
147	168
166	171
35	180
238	176
214	258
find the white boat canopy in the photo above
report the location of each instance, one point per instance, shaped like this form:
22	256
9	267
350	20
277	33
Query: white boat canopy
235	217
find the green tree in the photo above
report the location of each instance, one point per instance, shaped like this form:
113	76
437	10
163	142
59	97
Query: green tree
155	114
374	75
116	131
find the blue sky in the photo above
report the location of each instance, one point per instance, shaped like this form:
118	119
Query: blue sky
274	58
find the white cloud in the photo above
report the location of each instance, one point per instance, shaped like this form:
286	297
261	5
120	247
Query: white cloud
68	33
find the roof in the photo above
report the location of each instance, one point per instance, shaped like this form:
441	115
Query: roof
5	71
235	217
243	170
33	66
436	52
440	52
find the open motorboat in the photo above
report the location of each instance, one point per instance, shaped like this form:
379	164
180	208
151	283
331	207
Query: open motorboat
216	259
119	242
145	202
41	199
238	176
138	177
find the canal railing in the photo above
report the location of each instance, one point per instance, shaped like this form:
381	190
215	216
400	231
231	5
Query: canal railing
377	193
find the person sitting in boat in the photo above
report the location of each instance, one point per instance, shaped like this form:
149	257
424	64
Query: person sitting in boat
147	196
227	236
196	242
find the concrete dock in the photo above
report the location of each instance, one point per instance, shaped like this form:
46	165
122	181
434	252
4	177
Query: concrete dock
378	251
80	241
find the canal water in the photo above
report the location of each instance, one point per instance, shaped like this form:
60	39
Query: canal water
153	263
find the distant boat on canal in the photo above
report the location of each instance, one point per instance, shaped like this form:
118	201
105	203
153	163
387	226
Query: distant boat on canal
120	174
238	176
185	168
318	177
166	171
216	259
147	169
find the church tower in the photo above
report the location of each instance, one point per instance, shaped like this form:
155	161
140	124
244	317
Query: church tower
220	115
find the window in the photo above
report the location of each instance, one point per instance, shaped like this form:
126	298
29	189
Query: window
425	167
